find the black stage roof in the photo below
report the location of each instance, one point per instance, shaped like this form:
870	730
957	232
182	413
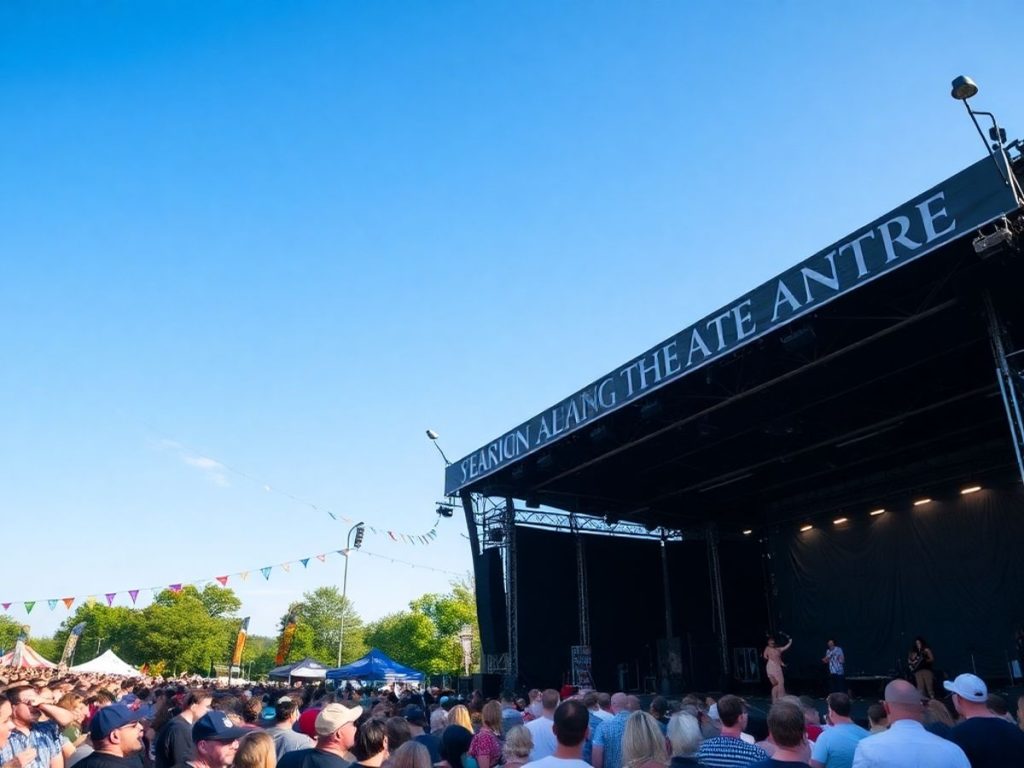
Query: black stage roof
866	383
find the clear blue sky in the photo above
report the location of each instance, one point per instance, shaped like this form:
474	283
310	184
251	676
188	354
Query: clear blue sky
289	237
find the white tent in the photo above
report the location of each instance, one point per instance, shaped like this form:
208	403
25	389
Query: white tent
107	663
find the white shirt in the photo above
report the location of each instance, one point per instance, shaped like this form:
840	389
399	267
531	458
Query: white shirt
544	742
557	762
908	745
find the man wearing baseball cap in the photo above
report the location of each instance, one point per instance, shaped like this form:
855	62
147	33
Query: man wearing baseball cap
335	736
906	744
116	739
216	741
986	738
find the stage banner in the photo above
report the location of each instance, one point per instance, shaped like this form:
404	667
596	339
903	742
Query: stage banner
955	208
581	669
286	640
236	657
69	647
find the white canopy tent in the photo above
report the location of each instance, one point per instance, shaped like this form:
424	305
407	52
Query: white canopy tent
107	663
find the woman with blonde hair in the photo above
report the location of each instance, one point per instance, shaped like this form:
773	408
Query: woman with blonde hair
459	715
411	754
518	746
643	743
486	744
256	750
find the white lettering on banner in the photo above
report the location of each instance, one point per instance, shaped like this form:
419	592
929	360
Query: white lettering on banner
964	202
929	218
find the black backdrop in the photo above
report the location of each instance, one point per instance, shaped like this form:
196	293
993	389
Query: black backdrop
627	610
950	571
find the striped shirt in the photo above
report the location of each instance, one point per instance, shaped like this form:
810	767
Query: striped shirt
728	752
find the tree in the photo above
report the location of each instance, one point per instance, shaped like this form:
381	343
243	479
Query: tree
9	631
105	627
319	615
426	636
188	630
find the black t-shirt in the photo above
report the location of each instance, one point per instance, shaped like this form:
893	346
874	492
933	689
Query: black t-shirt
989	741
433	744
105	760
312	758
174	743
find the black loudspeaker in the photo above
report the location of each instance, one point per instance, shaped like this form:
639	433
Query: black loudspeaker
488	685
490	602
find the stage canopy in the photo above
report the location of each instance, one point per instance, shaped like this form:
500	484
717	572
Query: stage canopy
884	370
307	669
375	666
107	663
30	659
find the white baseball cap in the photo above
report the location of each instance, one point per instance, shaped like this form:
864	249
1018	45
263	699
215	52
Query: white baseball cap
968	686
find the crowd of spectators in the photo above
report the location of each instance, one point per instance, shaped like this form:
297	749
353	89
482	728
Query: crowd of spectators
52	720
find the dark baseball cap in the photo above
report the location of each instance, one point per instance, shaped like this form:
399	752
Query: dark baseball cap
414	715
109	719
216	726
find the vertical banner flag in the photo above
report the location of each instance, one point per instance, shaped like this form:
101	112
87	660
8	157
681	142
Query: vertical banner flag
69	646
236	657
286	640
19	646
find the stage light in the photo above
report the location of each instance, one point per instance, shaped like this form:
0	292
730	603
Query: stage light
806	528
970	489
840	521
963	89
877	512
748	532
444	510
921	502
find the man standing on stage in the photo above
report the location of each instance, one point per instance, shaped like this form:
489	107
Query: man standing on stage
836	667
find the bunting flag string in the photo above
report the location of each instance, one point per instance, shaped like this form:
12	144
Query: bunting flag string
192	455
222	580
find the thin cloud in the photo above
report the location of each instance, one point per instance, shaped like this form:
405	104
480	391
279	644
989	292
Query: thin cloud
210	467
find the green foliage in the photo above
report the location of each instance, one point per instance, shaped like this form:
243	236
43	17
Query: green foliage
426	636
183	631
9	631
319	615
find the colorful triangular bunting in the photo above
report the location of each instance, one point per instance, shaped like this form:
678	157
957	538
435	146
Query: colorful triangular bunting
68	602
110	597
266	572
133	594
223	580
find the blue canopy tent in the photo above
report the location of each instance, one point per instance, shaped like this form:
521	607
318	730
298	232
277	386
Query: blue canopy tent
374	666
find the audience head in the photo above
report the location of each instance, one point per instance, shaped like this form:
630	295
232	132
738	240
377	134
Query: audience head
786	724
684	733
642	741
411	754
732	711
255	750
571	723
518	744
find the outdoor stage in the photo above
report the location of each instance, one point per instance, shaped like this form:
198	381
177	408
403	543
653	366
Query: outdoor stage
835	454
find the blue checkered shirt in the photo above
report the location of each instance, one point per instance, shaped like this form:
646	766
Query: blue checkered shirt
46	739
609	738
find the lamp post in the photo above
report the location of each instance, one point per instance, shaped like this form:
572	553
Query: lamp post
433	438
358	530
963	89
466	638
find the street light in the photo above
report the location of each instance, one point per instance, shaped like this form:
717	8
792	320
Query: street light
963	89
359	531
433	438
466	638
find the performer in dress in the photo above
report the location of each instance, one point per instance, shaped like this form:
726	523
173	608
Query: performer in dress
921	661
773	655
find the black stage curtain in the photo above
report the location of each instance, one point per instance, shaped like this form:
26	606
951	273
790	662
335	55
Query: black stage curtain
627	609
949	571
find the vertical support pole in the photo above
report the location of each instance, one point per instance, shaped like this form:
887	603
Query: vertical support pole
1005	374
665	587
717	598
582	597
511	594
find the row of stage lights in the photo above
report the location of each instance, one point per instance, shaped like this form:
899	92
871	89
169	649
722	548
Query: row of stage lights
876	512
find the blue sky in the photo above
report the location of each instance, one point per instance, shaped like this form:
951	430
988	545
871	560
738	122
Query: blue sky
251	244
